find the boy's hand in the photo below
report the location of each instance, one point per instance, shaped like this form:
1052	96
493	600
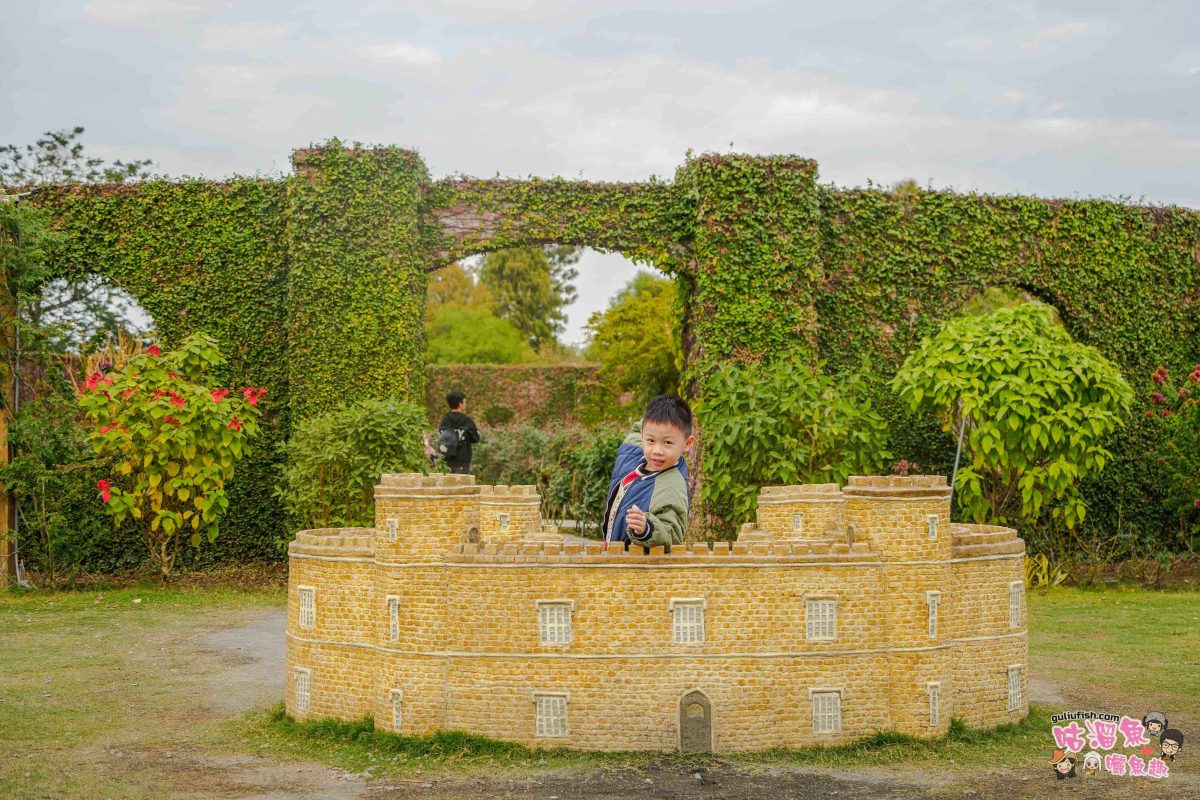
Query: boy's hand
635	518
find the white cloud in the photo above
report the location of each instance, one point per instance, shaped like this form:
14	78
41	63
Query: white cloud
241	35
1012	95
1062	32
401	53
147	13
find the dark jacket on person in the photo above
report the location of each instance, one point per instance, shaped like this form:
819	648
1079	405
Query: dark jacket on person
470	435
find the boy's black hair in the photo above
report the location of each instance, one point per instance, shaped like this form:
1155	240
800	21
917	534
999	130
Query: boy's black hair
455	399
671	411
1171	734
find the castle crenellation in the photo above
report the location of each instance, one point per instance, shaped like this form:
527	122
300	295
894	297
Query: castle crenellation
839	612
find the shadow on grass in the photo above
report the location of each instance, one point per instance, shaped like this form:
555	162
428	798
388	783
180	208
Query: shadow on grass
359	746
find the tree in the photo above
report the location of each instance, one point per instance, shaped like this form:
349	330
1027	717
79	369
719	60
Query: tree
334	460
173	441
58	157
532	286
1035	406
463	335
780	424
634	338
70	313
457	285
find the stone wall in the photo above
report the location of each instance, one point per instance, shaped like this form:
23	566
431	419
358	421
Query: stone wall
441	620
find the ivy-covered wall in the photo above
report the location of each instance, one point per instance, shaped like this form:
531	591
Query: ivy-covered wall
1124	279
511	394
201	256
314	284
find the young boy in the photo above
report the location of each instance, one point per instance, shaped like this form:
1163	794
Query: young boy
647	495
458	447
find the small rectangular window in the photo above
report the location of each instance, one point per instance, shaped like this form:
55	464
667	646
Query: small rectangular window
932	519
797	523
308	606
933	600
393	526
687	621
820	619
397	709
827	712
502	520
554	622
1014	688
934	691
303	687
550	716
1015	590
393	607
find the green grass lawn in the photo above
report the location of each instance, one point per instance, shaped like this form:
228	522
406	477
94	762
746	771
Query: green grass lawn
87	673
83	674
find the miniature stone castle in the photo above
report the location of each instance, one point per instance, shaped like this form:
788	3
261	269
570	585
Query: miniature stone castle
842	612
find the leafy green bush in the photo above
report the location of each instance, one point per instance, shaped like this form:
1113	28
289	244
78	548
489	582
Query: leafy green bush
783	424
53	477
1036	406
333	461
569	465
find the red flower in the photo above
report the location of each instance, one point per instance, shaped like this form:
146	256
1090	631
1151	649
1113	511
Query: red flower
158	393
1157	397
1166	412
1160	375
173	375
97	378
1150	413
176	400
105	492
153	350
1198	502
171	420
254	394
235	424
218	394
128	392
109	427
1195	376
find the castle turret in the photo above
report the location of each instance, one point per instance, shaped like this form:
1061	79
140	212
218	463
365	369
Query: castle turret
508	513
906	520
813	511
418	517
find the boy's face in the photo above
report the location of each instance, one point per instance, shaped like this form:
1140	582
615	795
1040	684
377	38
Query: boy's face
663	444
1171	747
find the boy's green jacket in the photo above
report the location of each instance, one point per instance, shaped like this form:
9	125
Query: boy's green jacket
663	495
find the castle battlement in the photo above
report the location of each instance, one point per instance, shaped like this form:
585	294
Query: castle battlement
838	612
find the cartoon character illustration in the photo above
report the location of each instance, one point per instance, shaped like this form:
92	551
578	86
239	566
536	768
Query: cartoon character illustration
1091	763
1063	763
1172	743
1155	723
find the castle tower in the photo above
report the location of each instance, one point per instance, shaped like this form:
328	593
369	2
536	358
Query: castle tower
508	513
418	517
906	520
802	513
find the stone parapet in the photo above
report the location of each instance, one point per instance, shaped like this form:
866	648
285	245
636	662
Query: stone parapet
542	550
334	542
506	513
811	511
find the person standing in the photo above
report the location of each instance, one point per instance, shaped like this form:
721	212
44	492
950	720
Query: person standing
456	433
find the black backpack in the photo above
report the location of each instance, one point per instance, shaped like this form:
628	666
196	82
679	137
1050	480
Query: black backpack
448	441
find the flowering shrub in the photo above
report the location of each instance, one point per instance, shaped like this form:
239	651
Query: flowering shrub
1175	402
173	442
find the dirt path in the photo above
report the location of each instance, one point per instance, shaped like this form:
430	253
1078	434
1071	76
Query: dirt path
247	672
222	669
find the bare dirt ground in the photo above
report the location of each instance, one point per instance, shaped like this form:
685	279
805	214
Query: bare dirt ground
243	668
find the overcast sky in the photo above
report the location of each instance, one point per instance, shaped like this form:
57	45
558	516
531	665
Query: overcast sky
1065	99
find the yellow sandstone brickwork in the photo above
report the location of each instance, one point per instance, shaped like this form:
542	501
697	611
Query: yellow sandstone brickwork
839	613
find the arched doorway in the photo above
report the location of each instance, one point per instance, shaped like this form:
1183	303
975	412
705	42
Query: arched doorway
695	723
